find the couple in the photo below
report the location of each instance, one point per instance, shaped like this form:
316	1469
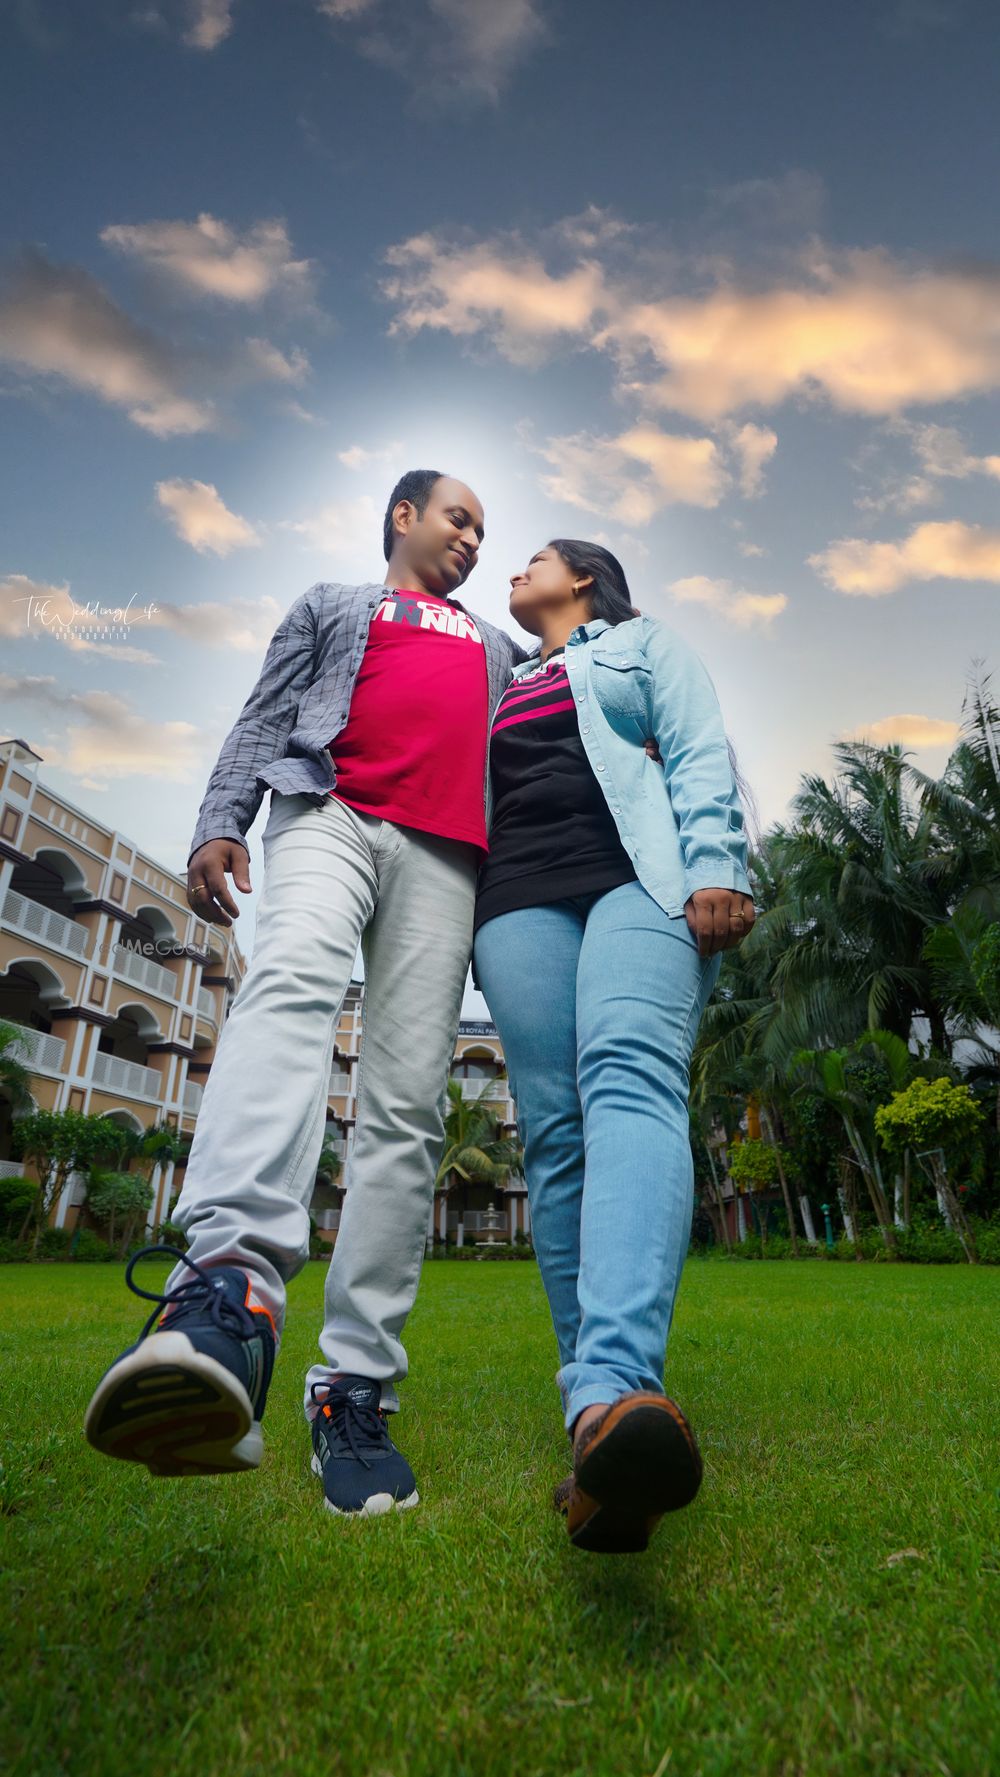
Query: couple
570	819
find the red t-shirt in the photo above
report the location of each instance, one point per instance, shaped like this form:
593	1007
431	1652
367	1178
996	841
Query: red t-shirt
414	746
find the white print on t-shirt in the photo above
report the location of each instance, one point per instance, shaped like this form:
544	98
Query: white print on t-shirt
448	620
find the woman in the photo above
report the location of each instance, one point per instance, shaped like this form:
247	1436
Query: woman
616	876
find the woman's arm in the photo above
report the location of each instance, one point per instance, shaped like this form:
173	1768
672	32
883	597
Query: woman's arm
688	728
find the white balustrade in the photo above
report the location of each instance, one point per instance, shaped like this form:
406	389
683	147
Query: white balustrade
128	1077
43	923
41	1052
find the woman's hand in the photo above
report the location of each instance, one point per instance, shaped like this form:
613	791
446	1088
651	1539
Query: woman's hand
719	918
654	752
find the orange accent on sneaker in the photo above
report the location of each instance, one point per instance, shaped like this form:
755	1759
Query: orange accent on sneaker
258	1308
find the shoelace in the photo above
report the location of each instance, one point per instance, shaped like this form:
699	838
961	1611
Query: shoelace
203	1291
348	1418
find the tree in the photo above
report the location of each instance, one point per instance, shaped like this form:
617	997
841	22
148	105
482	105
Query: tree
15	1077
119	1199
875	871
58	1143
474	1149
939	1121
329	1166
753	1167
854	1084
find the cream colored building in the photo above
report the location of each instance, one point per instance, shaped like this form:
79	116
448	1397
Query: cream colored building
120	993
119	990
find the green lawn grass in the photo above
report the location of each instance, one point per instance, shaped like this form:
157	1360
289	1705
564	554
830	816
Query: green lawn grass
828	1604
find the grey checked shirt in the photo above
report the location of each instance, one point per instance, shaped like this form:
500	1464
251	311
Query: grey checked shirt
300	704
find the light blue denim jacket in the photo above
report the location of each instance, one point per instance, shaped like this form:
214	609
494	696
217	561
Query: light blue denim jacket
681	822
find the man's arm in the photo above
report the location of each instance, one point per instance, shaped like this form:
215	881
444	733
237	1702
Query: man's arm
232	796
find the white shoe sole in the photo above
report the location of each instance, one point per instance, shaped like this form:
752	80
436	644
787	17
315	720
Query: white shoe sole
374	1507
175	1409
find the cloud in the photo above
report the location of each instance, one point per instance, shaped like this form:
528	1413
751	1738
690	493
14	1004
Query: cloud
104	737
210	258
793	200
947	551
348	531
345	9
633	476
209	22
751	549
915	18
245	625
508	296
34	609
909	730
857	329
942	453
357	457
276	365
754	447
733	602
446	49
58	321
200	517
900	496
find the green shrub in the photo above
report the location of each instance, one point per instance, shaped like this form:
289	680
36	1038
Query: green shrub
12	1250
16	1198
89	1247
168	1234
53	1243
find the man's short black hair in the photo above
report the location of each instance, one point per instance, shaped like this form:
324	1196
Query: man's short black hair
415	485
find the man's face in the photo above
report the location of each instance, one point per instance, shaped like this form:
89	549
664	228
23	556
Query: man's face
443	546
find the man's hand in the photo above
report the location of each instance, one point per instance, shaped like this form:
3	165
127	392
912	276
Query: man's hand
653	750
719	918
206	880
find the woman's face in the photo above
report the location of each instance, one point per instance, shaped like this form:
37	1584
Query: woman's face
544	586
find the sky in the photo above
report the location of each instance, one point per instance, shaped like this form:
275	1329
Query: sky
716	285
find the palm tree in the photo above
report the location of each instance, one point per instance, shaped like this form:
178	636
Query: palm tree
474	1149
15	1078
836	1075
870	874
965	800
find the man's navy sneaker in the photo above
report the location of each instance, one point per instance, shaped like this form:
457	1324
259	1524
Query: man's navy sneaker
187	1398
363	1473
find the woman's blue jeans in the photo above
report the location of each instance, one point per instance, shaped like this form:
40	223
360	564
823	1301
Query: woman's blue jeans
597	1000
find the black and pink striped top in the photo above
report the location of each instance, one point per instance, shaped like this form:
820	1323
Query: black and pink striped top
552	834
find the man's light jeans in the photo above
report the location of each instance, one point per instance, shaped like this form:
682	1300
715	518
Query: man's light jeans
597	1000
334	877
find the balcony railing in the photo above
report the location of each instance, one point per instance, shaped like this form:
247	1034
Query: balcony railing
11	1168
128	1077
145	972
491	1091
340	1084
328	1219
207	1007
192	1095
42	1053
49	927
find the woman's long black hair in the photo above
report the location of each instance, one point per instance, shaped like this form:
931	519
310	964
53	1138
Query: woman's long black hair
609	597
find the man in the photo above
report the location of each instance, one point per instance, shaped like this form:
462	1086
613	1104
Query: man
369	722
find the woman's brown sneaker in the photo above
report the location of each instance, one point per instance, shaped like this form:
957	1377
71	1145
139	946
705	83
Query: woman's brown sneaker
636	1461
561	1493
